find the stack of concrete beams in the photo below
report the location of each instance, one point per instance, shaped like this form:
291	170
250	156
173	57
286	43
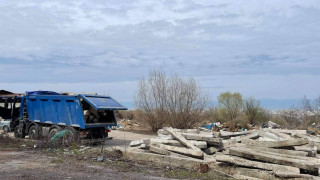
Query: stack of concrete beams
278	152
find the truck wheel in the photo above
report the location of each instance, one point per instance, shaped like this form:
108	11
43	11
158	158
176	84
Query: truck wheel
5	129
33	132
53	131
71	137
17	133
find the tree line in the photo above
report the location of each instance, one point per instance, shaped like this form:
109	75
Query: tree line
163	100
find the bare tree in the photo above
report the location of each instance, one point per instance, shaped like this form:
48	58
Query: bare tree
170	100
251	109
151	99
292	117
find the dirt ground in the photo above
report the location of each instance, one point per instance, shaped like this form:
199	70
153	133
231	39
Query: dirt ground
121	139
29	163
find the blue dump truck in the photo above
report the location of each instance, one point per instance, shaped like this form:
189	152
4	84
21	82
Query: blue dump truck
44	113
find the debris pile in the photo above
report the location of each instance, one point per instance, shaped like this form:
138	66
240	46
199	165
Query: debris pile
279	153
128	124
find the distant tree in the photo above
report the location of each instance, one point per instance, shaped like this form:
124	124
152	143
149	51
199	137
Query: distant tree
252	109
231	104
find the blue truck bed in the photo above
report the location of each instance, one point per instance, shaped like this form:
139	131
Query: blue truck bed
69	110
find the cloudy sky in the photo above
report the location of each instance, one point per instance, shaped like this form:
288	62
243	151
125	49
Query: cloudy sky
268	49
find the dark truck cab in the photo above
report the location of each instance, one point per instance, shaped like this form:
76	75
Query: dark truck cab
44	113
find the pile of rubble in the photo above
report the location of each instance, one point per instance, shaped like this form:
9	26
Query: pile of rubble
278	152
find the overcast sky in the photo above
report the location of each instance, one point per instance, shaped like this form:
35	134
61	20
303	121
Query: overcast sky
265	49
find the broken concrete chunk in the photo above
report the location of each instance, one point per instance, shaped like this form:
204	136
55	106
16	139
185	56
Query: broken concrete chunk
182	150
273	125
299	163
255	164
211	150
226	134
285	143
139	142
182	140
136	143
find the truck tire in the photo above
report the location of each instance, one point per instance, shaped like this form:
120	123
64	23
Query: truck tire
18	134
71	137
34	132
6	129
53	131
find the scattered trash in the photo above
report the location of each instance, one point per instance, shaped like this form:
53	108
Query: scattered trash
100	159
60	135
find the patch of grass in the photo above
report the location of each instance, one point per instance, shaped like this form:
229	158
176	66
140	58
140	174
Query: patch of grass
7	142
57	161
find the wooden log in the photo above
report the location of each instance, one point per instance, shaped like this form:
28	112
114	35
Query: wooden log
249	154
182	150
285	143
255	164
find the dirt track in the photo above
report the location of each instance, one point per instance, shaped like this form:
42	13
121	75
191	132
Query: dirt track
32	165
122	139
37	164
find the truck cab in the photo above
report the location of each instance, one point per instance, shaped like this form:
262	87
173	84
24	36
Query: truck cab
10	104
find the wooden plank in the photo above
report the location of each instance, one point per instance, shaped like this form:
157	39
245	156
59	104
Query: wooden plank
249	154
